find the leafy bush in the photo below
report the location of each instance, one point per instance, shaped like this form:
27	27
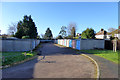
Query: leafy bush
59	37
38	37
75	37
89	33
25	37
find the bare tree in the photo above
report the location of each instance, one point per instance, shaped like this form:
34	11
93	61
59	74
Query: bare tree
111	29
72	27
12	28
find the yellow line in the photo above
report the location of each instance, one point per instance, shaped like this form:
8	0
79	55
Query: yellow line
97	67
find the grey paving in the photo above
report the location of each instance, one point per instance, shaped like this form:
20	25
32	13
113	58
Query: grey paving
108	69
55	62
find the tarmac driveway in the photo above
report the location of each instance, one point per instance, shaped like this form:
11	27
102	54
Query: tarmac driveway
55	62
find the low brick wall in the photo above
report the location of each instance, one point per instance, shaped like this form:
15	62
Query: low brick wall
18	44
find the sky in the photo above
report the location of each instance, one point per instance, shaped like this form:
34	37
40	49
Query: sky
54	15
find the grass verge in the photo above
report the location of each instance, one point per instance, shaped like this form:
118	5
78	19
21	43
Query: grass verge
10	58
107	54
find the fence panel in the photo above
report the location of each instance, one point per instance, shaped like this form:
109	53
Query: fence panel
118	47
60	42
64	42
78	44
86	44
70	43
19	44
108	45
67	42
56	41
74	44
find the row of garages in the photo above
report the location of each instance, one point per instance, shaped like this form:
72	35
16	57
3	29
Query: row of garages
81	43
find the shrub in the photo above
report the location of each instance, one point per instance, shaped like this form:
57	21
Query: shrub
75	37
38	37
25	37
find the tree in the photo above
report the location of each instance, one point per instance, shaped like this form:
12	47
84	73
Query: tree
72	30
111	29
26	28
42	36
12	28
88	34
59	37
48	34
20	30
63	31
29	27
38	37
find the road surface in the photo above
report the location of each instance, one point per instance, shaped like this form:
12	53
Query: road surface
55	62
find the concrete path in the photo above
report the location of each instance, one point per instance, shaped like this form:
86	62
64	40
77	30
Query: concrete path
108	69
58	62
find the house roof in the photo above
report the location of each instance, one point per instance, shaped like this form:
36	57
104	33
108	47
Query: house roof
114	32
109	33
100	33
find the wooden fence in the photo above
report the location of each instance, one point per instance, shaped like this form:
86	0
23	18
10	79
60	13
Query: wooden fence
109	44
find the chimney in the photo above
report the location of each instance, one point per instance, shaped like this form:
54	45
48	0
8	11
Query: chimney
102	29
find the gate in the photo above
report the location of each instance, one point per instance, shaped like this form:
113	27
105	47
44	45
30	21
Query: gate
78	44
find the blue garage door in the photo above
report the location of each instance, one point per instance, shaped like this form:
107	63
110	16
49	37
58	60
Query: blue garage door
78	44
70	43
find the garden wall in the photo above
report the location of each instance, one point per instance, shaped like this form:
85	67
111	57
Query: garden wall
92	44
46	41
82	44
18	44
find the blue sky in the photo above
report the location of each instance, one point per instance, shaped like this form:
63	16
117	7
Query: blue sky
94	15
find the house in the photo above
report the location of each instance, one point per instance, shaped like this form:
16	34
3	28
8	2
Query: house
115	33
5	36
102	34
78	35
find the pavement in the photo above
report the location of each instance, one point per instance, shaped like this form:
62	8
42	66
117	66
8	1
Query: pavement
107	68
55	62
